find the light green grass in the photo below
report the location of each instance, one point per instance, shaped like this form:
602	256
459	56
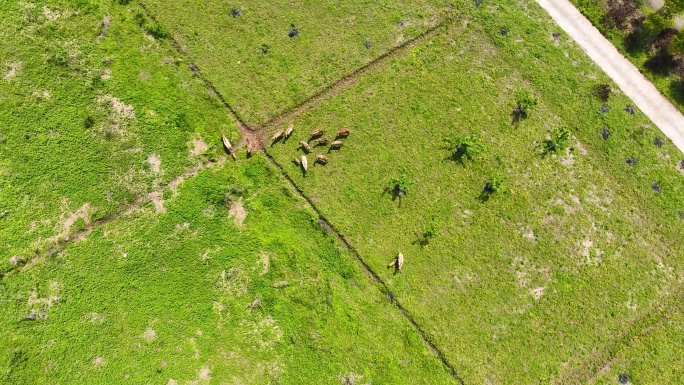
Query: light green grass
539	283
149	297
162	296
603	238
66	163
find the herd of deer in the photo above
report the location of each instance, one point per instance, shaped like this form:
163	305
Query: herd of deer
316	136
318	140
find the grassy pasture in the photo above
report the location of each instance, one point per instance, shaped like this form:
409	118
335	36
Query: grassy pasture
84	119
331	43
150	298
654	358
526	286
153	296
538	283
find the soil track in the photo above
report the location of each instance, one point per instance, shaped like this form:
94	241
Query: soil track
350	79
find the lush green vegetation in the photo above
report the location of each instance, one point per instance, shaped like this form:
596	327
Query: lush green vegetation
539	276
79	135
189	295
167	286
540	225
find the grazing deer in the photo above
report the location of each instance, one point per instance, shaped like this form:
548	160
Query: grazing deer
342	133
305	163
289	130
336	145
322	159
316	133
228	146
321	142
305	146
278	135
397	262
296	161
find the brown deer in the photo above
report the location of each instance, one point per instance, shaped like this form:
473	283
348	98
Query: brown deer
336	145
321	142
249	147
305	146
397	262
278	135
228	146
296	161
289	130
317	133
342	133
322	159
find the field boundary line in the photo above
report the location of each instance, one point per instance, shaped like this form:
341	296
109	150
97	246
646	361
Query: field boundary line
332	89
350	78
196	70
375	277
632	82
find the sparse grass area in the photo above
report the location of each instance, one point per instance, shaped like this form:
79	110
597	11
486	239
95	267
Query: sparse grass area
83	131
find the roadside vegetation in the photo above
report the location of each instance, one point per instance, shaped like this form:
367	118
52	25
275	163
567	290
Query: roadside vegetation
650	38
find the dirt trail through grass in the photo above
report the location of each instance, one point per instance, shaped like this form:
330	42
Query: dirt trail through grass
644	94
350	79
122	211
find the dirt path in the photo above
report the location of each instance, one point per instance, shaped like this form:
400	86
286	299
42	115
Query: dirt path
644	94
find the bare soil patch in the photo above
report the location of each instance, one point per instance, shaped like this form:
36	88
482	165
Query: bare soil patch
66	223
155	163
197	147
99	362
238	211
13	71
149	335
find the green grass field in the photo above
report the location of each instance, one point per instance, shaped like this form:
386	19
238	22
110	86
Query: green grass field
147	255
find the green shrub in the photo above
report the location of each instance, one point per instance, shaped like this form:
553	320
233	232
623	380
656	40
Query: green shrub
525	102
560	140
464	146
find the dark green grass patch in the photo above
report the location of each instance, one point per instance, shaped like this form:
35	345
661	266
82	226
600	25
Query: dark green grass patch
522	286
262	71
